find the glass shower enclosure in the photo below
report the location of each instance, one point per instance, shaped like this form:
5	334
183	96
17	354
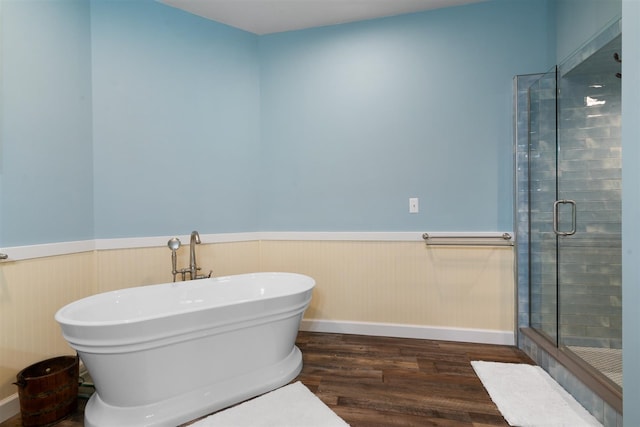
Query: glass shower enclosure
575	203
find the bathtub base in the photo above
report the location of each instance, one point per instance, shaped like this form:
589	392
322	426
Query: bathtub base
197	403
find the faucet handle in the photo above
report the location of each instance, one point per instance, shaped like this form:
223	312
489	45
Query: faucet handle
174	244
205	276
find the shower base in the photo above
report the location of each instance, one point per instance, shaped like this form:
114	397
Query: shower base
606	360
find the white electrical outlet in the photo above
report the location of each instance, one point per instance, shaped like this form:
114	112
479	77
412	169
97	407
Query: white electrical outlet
413	205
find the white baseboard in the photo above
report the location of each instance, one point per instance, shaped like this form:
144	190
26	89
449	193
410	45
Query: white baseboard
9	407
484	336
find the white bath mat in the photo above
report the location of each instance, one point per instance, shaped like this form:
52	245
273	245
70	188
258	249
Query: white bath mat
290	406
527	396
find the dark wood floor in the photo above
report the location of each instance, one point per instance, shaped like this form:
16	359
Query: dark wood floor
380	381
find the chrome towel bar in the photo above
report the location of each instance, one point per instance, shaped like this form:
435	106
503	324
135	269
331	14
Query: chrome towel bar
504	239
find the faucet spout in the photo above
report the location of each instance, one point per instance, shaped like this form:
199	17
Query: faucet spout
193	265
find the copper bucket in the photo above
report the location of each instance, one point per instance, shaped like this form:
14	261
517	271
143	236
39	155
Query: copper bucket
48	390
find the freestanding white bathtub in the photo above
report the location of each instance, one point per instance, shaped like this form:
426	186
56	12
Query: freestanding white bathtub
162	355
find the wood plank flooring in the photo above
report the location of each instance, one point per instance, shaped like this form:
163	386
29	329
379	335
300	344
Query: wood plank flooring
381	381
378	381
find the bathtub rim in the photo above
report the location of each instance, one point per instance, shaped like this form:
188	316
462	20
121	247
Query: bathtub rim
132	344
60	317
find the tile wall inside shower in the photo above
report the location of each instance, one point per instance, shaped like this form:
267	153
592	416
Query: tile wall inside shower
589	172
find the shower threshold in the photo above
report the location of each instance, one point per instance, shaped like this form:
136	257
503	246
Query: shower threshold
605	360
540	349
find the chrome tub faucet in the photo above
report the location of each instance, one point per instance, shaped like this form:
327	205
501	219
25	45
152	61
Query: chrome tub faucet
174	244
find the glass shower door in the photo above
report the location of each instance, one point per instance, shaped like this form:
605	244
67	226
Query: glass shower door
575	210
590	174
543	251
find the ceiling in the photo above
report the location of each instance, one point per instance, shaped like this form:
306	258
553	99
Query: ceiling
275	16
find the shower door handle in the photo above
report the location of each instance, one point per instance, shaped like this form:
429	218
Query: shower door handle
556	217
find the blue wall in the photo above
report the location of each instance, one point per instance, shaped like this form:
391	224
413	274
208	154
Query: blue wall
631	209
358	118
578	21
176	122
128	119
45	122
